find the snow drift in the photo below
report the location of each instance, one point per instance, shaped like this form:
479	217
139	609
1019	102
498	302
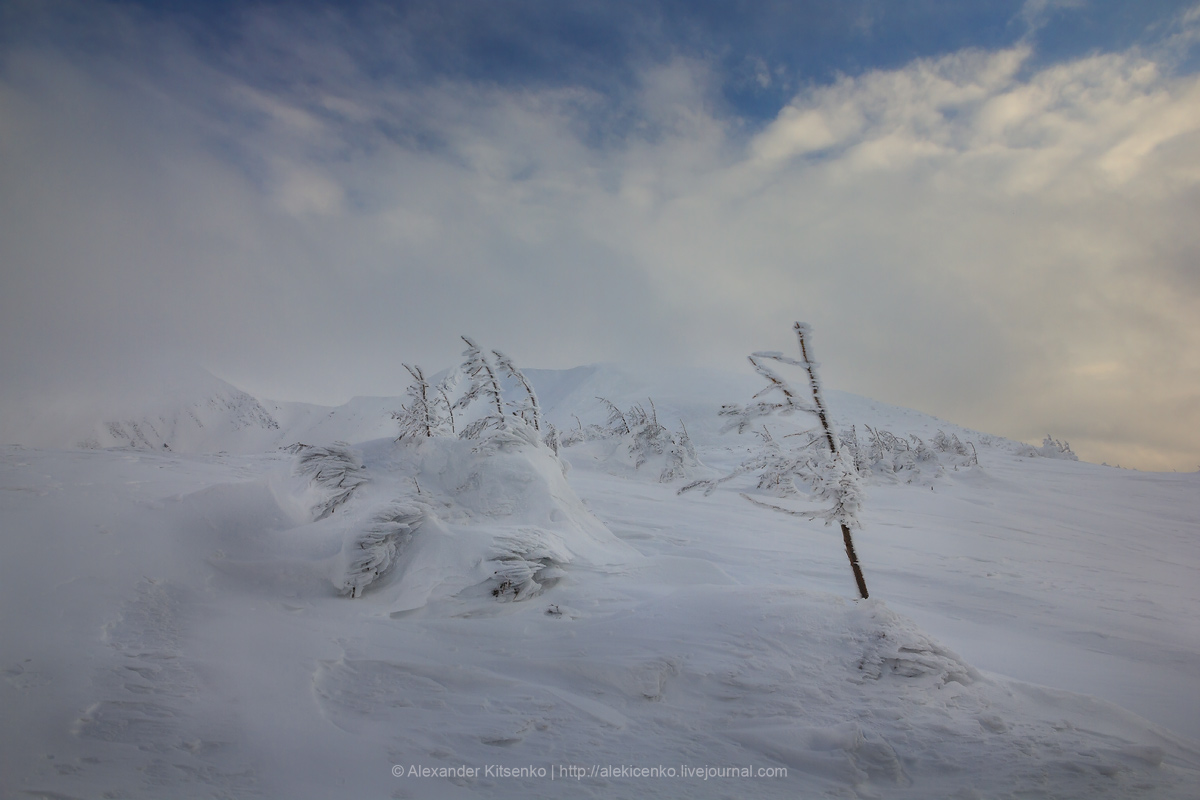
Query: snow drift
280	624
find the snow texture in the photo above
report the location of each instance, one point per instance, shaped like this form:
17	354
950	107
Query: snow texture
206	624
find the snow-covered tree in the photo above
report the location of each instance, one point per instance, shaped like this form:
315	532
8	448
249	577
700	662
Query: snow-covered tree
527	409
617	423
445	390
816	460
429	410
484	385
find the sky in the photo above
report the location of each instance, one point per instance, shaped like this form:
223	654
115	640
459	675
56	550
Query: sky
986	211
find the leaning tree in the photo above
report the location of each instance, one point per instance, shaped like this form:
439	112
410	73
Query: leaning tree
818	462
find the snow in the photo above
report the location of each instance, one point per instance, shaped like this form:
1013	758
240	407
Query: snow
178	621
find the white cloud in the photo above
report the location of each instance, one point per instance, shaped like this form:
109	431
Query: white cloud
1011	247
1046	216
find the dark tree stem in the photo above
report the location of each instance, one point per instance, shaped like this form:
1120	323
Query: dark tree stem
853	556
829	437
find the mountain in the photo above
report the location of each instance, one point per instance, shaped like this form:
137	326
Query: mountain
188	410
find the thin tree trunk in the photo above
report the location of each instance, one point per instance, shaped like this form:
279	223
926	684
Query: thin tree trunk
833	450
853	556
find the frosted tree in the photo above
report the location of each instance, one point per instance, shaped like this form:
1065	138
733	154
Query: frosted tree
485	386
818	461
445	389
618	424
429	410
529	409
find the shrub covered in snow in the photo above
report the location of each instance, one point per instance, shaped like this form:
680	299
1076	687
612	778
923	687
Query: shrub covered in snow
336	471
910	459
527	562
1053	448
370	554
639	439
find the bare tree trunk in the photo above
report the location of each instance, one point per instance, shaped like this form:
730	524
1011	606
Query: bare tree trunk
815	384
853	556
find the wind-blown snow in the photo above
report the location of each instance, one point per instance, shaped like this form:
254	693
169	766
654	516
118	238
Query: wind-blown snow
179	621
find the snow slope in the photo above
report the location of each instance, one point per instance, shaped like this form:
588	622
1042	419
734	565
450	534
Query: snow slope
175	624
186	410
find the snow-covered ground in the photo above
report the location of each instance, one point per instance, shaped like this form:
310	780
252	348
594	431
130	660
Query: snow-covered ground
177	621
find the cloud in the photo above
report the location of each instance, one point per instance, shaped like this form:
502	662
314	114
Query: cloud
1007	243
1023	232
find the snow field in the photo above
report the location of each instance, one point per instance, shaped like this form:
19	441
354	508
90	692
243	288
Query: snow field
181	625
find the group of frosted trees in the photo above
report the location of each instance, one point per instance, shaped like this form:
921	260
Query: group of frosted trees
828	470
440	409
448	408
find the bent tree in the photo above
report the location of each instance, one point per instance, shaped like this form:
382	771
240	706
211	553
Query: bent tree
819	461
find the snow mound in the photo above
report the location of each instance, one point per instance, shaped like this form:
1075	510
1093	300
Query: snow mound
894	648
478	519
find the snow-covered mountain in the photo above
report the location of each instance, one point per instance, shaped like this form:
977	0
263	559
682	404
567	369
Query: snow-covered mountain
188	410
220	617
174	408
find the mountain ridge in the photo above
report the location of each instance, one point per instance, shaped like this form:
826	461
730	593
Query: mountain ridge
193	411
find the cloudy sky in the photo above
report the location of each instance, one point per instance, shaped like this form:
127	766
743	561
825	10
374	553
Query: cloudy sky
987	211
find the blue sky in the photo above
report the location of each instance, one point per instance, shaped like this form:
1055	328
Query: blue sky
986	210
763	52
